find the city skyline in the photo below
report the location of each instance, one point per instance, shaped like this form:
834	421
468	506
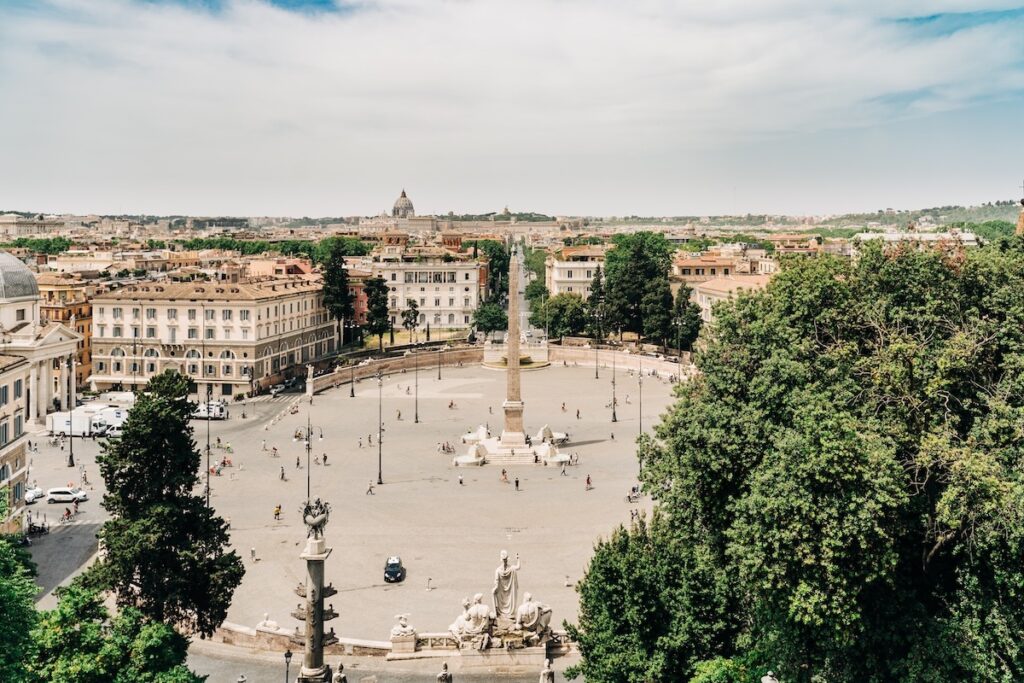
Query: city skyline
245	107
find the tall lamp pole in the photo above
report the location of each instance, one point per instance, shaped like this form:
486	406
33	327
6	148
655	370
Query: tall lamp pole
71	409
380	426
287	664
416	398
640	381
309	448
439	362
615	417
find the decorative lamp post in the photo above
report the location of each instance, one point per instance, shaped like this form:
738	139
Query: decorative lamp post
71	410
416	375
309	448
597	316
352	379
287	664
380	427
615	417
439	362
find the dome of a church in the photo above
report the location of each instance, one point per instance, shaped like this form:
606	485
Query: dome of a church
16	280
403	207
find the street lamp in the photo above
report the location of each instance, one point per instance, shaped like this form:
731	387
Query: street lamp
416	374
287	663
71	410
309	447
380	426
597	316
439	362
615	417
640	382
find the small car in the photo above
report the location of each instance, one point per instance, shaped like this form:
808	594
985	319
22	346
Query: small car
66	495
276	389
394	571
32	494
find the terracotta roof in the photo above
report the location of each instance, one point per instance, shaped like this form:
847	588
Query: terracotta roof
214	291
730	284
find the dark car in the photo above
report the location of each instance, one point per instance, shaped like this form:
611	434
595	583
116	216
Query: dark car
394	571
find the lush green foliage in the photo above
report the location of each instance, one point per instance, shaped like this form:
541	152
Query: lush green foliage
490	317
989	230
563	315
78	641
17	606
635	260
40	245
497	267
656	308
535	293
597	317
846	471
165	549
338	299
686	320
378	316
411	316
317	251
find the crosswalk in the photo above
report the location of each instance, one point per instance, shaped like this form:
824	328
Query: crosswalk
267	398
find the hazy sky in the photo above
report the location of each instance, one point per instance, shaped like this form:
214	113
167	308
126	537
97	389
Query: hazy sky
612	107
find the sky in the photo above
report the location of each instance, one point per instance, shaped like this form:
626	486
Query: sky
566	107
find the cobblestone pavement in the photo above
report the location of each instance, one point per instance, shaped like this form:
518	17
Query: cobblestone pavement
444	531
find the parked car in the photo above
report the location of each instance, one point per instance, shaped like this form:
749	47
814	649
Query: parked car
394	571
66	495
32	494
276	389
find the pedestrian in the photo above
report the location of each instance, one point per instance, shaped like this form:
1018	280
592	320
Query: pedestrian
369	489
316	459
264	447
360	442
613	436
461	483
298	464
274	451
369	439
577	413
277	511
517	483
563	406
325	459
589	485
399	414
282	473
490	410
252	554
563	470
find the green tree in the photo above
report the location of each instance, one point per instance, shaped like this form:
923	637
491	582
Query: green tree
338	298
79	641
597	316
686	318
846	467
411	317
564	315
497	267
17	606
378	315
656	307
166	551
536	292
634	260
490	317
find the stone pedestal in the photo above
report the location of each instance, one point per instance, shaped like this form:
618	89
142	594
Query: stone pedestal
313	669
403	644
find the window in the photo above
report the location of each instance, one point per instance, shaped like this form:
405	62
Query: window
193	333
209	333
172	313
451	301
174	335
243	315
150	332
226	370
19	426
4	398
225	314
150	313
191	314
135	332
465	302
101	366
211	369
118	332
210	314
150	367
117	366
394	276
437	302
136	313
5	436
19	315
245	333
117	313
227	334
17	388
568	274
193	368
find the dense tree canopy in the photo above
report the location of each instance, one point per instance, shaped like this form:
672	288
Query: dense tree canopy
841	485
490	317
634	261
378	314
686	320
166	551
17	606
497	267
563	315
338	299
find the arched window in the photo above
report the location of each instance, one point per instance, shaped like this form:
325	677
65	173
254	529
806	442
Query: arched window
227	354
118	352
192	353
151	353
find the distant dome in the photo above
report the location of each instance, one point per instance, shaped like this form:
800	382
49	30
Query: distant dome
403	207
16	280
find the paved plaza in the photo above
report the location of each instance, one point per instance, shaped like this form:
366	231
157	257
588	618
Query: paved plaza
444	531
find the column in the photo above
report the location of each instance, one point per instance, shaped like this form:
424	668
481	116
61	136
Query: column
62	390
33	390
46	387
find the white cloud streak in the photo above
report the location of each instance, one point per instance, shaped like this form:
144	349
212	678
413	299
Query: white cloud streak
120	105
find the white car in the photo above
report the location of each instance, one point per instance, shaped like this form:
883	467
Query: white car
276	389
32	494
66	495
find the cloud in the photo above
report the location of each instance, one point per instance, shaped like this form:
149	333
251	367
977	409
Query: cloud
249	97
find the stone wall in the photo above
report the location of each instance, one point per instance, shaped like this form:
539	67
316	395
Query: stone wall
343	375
623	361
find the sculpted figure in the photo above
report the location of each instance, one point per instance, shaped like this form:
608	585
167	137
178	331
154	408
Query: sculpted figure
547	674
506	586
461	623
478	623
402	628
533	616
769	678
444	676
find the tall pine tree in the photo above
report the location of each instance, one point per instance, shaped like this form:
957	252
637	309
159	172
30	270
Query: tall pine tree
337	297
597	325
378	316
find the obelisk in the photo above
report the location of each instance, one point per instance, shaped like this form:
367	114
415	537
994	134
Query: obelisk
512	436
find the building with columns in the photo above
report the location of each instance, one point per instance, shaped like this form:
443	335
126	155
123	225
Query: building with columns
13	460
49	347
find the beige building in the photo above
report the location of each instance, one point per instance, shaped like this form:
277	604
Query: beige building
67	299
232	337
14	376
571	269
707	294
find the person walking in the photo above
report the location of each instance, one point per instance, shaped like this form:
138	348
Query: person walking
589	484
252	553
504	476
325	459
461	483
273	451
517	483
563	473
360	442
298	463
369	489
577	413
282	472
264	447
277	512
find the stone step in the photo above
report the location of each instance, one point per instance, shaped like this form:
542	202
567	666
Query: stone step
525	458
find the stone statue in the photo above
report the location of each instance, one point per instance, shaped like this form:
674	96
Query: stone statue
444	676
402	628
339	675
769	678
533	617
315	516
547	674
506	587
461	623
